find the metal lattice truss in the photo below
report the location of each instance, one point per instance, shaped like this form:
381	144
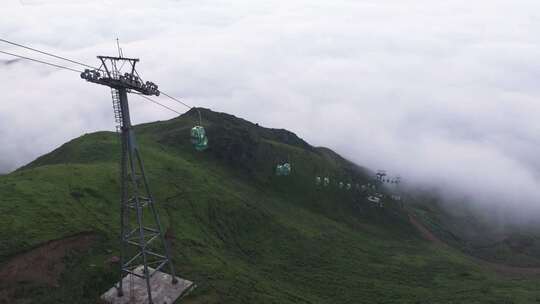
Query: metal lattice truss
143	241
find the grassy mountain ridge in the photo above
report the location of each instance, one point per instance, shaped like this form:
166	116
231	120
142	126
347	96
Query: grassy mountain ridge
509	243
241	233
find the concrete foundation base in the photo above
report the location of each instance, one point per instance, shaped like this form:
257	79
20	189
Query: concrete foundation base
135	292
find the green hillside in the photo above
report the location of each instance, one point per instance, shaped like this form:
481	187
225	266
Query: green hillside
506	242
241	233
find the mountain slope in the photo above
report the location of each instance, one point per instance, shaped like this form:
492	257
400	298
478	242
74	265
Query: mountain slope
241	233
511	243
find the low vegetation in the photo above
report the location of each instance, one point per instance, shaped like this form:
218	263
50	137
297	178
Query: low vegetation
241	233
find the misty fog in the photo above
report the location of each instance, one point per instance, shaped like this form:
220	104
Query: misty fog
444	94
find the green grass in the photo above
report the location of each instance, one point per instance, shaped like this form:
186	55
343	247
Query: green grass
241	233
474	235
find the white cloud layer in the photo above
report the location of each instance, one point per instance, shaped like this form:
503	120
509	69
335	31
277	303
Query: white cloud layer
444	93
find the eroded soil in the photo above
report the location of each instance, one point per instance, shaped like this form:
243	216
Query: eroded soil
499	268
41	265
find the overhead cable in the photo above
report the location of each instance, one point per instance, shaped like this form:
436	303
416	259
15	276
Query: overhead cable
176	99
158	103
41	61
47	53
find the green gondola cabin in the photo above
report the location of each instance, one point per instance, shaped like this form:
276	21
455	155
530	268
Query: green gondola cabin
199	138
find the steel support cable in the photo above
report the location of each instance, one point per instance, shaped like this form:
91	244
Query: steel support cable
158	103
177	100
184	104
46	53
40	61
78	71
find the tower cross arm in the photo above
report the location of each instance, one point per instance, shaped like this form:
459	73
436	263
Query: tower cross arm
118	58
114	78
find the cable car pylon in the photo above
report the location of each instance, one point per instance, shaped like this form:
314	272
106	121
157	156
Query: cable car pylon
137	203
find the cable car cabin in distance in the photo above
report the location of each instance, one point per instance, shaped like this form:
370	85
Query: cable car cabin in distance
326	181
199	138
198	135
283	170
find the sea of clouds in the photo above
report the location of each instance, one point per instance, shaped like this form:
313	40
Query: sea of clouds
443	93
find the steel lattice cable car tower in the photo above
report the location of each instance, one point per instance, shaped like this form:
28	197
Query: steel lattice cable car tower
138	233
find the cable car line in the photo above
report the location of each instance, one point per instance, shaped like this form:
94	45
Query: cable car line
202	132
198	133
158	103
199	139
46	53
177	100
77	71
72	61
41	61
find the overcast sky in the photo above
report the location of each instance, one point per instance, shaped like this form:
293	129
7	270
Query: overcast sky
443	92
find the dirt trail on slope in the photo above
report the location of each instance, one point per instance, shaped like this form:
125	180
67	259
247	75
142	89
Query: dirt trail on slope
42	265
499	268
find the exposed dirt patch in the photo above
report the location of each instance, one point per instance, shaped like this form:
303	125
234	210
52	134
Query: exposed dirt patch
426	234
500	268
43	264
519	244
